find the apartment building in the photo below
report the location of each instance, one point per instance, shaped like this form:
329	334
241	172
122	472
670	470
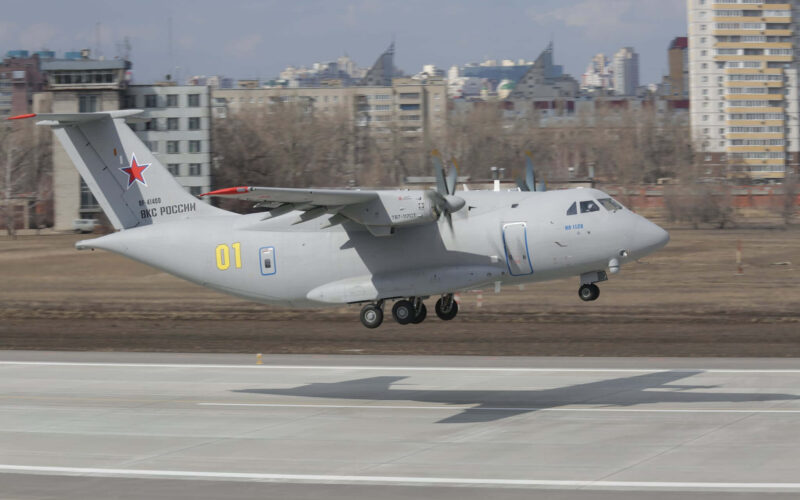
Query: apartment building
744	86
176	128
416	110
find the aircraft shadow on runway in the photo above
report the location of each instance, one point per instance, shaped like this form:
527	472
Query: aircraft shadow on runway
490	405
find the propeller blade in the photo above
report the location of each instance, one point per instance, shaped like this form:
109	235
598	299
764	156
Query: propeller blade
441	186
530	177
452	177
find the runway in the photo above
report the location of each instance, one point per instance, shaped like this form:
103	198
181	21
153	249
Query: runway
81	425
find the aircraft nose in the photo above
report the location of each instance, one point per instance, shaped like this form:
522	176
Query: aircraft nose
649	237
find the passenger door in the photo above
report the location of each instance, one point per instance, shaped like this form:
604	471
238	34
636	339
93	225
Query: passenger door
515	241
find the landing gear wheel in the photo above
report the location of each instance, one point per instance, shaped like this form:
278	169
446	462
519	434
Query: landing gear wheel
589	292
443	311
421	314
403	312
371	316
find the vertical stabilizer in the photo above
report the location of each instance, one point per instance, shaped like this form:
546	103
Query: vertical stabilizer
130	184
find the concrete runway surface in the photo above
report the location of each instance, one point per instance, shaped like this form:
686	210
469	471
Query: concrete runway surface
140	425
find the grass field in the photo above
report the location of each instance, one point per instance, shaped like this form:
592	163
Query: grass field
686	300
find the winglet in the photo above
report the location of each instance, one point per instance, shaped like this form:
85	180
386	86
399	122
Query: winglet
227	191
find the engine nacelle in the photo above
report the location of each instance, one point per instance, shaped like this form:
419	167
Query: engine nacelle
394	209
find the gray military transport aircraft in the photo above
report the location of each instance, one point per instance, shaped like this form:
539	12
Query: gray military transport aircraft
324	247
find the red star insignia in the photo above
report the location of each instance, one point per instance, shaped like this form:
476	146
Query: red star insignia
134	172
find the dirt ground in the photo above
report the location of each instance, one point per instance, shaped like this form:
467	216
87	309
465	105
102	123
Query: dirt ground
686	300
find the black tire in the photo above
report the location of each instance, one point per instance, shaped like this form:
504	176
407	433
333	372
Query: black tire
446	315
586	293
403	312
421	315
371	316
595	291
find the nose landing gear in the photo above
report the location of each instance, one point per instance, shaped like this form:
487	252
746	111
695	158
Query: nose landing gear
589	292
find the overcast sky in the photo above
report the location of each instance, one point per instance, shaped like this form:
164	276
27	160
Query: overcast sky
246	39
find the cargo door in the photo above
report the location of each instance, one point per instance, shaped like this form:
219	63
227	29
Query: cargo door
515	241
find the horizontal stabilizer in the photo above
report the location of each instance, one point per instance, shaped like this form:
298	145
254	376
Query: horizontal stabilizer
75	118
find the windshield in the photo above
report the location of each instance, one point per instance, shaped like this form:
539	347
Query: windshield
610	204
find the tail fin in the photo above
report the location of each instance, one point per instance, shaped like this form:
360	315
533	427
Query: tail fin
130	184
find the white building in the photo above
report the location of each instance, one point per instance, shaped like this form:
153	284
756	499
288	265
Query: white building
177	130
599	74
743	80
626	71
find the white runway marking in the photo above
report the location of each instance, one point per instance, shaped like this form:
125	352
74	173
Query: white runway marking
499	409
400	368
409	480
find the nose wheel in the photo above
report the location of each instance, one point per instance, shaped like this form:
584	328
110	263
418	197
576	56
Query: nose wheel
589	292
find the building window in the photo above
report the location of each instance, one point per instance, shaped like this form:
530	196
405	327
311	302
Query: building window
150	101
173	147
151	124
174	168
87	103
194	146
153	146
172	124
130	102
172	100
194	169
195	190
194	123
194	100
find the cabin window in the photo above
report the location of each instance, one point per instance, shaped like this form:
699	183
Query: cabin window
573	209
589	206
267	255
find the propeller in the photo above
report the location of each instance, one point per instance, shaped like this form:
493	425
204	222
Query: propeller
444	199
528	183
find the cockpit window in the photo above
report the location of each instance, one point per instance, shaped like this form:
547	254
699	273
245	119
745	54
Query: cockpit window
610	204
589	206
573	209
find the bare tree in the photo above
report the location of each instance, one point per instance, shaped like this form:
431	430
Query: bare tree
25	154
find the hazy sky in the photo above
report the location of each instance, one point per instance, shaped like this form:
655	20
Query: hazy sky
245	39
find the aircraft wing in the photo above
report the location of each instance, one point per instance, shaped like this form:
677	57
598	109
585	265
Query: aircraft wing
379	211
279	196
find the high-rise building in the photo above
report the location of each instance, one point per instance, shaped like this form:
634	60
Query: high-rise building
678	60
743	82
626	71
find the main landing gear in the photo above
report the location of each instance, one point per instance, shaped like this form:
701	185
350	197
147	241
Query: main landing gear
411	310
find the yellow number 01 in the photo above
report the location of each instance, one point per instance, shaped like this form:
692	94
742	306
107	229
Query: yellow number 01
224	256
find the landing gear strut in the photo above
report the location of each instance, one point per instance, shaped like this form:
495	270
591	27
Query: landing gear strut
372	315
446	307
589	292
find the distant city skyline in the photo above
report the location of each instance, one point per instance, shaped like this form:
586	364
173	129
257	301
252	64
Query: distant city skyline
258	39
